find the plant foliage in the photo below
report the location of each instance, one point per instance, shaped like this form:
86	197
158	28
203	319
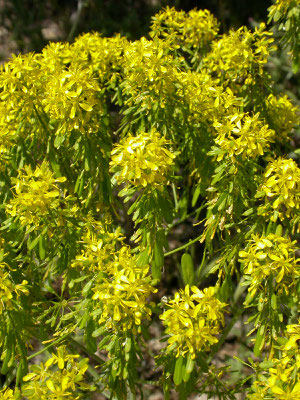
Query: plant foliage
106	146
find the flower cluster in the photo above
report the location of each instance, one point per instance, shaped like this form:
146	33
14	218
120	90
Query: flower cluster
70	97
206	100
149	73
194	29
272	258
142	160
281	189
21	81
36	194
66	382
239	56
123	293
9	394
242	134
283	114
102	54
9	291
282	380
193	319
98	250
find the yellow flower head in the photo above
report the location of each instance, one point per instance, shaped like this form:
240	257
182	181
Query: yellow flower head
103	54
123	293
150	73
99	251
244	135
36	193
142	160
281	380
66	382
8	289
9	394
194	29
271	257
283	114
239	55
193	319
281	189
70	98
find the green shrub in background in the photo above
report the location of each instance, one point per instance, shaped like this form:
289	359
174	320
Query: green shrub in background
181	127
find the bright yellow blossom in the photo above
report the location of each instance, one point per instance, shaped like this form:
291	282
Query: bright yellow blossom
242	134
123	293
282	380
194	29
239	56
149	73
36	194
9	291
193	319
282	6
102	54
98	254
70	97
9	394
271	257
142	160
64	383
281	189
283	114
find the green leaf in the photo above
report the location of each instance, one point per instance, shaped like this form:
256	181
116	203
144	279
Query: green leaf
196	195
274	302
187	269
42	247
259	342
190	364
143	258
87	287
8	353
59	139
21	370
178	373
99	331
90	340
158	260
31	245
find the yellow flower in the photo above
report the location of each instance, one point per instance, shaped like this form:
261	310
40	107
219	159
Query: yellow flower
281	381
281	189
102	54
70	97
9	394
271	257
64	383
193	319
239	56
244	135
123	293
98	254
283	114
149	73
194	29
9	290
142	160
36	193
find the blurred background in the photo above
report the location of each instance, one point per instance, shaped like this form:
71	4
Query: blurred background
28	25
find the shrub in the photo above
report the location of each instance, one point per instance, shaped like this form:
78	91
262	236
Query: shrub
107	147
